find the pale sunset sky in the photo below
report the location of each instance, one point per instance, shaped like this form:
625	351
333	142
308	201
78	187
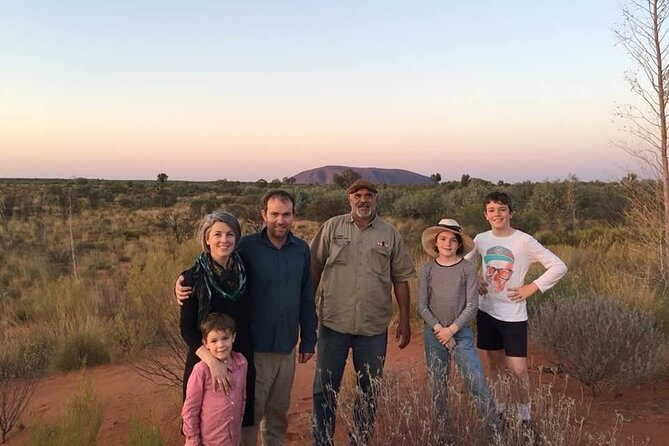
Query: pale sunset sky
125	89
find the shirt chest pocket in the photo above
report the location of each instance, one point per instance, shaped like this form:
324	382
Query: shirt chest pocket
379	261
339	252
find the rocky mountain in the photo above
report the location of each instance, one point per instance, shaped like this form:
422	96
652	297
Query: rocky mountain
324	175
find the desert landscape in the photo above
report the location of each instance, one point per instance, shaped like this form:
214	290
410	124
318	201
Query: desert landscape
124	123
89	312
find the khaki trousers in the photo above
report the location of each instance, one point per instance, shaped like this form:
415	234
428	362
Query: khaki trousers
274	380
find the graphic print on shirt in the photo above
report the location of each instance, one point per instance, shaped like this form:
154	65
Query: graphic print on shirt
498	266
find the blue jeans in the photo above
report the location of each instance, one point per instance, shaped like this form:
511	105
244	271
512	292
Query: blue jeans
368	356
468	361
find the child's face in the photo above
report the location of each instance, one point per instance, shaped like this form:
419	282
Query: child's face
447	244
498	215
219	343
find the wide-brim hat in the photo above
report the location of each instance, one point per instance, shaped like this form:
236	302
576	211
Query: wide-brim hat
429	236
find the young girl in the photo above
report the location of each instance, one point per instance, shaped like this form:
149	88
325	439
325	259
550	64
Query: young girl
447	302
215	418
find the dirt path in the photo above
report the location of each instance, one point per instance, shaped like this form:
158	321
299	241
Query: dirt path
127	396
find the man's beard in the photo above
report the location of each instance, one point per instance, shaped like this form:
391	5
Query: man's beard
279	231
365	213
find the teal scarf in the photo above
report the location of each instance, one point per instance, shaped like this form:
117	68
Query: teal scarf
214	282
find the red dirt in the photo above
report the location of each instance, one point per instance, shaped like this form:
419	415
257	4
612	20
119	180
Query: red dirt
127	396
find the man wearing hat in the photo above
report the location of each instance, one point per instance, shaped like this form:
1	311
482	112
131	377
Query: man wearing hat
358	259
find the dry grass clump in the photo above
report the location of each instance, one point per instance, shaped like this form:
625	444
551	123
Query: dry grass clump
406	416
610	269
78	425
598	338
144	434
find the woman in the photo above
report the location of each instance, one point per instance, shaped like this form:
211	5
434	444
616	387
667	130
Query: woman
218	281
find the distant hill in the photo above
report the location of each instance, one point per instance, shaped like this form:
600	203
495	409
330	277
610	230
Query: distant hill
324	175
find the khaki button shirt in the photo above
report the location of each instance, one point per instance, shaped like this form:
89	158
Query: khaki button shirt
358	269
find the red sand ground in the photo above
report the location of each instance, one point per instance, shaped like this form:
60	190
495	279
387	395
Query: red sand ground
126	396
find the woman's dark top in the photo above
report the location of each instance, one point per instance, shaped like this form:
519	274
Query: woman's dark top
190	331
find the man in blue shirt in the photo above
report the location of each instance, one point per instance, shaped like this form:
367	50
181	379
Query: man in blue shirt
282	300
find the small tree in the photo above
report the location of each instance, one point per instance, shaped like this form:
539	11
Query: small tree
162	178
436	177
345	178
643	35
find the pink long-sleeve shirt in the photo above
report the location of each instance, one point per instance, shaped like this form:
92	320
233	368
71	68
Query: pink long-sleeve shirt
214	418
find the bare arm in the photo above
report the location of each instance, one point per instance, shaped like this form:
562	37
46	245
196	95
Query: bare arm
402	295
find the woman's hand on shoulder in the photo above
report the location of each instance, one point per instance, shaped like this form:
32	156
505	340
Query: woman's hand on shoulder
220	375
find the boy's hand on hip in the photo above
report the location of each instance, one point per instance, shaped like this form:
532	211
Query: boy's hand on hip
519	294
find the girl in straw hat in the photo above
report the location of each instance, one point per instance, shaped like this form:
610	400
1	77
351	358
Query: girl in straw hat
447	302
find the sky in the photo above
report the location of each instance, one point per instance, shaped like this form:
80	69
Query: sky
242	90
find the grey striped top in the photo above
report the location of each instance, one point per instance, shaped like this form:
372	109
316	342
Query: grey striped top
448	294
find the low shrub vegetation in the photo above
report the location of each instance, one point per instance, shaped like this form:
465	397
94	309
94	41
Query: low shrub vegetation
598	339
17	386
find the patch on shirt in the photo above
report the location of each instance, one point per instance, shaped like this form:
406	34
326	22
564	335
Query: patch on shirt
384	244
341	239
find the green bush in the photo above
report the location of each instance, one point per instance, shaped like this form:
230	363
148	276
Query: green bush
80	349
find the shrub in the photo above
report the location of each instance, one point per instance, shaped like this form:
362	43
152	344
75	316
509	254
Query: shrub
16	389
80	349
598	338
323	204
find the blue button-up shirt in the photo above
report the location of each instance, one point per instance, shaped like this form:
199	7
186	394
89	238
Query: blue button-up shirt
281	292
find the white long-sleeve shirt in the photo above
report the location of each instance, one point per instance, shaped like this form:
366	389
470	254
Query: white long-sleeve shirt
512	255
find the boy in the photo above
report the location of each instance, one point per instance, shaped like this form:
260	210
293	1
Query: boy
215	418
506	255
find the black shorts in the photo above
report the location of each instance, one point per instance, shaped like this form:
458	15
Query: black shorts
494	334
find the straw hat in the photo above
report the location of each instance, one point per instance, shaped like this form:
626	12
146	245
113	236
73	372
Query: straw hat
445	224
